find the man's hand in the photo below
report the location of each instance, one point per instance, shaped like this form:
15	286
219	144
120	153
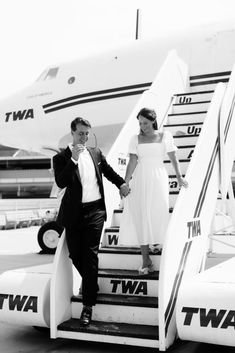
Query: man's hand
124	190
77	149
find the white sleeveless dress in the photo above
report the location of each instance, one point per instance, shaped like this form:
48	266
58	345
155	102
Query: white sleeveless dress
146	209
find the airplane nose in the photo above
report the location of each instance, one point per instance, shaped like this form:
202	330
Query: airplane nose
23	124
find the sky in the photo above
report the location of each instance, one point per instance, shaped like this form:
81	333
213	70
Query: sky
36	34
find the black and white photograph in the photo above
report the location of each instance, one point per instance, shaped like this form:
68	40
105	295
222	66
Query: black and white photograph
117	176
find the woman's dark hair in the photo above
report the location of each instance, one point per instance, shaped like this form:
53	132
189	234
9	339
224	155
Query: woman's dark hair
150	115
81	121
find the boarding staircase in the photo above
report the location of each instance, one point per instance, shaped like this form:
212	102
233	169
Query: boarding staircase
138	309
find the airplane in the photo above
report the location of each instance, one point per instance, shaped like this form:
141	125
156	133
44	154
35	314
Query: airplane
106	89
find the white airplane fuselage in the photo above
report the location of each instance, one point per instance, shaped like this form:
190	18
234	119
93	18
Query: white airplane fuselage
104	88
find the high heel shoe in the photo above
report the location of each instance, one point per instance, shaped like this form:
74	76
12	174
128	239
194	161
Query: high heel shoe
146	270
151	267
156	249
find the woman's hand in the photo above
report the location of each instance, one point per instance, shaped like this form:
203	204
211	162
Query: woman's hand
124	190
182	182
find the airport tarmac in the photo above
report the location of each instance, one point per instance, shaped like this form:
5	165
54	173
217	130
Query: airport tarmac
19	248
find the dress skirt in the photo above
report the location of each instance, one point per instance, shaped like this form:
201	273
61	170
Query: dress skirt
146	209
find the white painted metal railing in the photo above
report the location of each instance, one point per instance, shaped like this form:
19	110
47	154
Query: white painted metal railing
190	222
189	227
61	289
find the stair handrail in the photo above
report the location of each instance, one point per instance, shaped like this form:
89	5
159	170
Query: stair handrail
227	110
189	227
168	109
228	117
171	78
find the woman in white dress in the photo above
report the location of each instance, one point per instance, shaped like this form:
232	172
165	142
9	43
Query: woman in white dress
146	208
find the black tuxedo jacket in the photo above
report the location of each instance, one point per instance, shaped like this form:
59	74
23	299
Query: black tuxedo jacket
67	176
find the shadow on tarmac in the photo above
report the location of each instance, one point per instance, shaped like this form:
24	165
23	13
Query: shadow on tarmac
10	262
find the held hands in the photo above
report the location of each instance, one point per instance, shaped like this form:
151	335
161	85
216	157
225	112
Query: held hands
182	182
77	149
124	190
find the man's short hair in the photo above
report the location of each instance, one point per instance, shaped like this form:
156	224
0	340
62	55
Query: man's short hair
81	121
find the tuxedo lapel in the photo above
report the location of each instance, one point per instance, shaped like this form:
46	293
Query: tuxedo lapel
68	156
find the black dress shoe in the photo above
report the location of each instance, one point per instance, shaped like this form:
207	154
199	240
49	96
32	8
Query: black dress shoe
86	315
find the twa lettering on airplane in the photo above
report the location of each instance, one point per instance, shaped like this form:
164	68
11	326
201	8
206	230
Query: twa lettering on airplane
213	317
19	115
19	303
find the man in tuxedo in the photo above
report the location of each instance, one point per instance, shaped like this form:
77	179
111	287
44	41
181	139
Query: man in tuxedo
79	169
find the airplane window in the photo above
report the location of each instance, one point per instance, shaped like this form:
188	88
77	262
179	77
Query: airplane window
71	80
51	73
48	74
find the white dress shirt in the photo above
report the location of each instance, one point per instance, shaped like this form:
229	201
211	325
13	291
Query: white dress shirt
90	187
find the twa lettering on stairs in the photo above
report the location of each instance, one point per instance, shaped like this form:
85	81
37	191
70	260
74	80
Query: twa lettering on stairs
127	310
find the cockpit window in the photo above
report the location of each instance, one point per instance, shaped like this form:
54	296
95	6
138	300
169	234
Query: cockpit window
51	73
48	74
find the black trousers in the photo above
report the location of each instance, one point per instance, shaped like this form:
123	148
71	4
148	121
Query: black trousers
83	244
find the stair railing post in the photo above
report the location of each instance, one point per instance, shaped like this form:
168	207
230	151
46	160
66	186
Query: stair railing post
222	163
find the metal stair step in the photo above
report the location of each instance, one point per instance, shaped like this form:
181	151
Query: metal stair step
123	257
183	140
110	237
111	234
133	274
185	152
122	250
114	332
120	308
129	282
123	300
191	97
190	107
184	128
186	117
117	214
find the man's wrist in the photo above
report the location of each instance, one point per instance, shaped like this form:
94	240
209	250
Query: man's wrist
124	184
